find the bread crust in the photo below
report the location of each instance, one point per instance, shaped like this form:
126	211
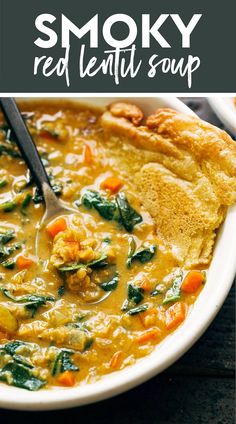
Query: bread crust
187	183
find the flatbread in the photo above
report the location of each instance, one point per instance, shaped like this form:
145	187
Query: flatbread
185	172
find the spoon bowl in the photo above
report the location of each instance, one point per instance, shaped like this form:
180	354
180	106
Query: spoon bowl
53	209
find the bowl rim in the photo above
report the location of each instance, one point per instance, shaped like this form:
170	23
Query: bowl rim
225	110
178	342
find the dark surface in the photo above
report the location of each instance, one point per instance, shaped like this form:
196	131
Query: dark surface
212	40
197	389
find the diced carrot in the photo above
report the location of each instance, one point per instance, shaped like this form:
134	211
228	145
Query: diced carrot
193	281
56	226
175	315
88	156
149	336
116	360
67	378
146	285
112	183
22	262
150	311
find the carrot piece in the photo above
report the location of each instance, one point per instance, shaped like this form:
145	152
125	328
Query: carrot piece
67	378
150	311
193	281
88	156
116	360
22	262
175	315
56	226
146	285
148	336
112	183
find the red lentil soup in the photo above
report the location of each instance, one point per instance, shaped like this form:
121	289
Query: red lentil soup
104	290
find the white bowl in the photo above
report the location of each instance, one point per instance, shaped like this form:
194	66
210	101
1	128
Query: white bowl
220	278
225	109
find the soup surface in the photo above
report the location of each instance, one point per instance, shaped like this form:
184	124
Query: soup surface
104	289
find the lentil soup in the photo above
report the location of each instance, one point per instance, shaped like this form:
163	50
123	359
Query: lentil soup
105	287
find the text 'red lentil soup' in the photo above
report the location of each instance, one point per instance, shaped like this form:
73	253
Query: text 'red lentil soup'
105	288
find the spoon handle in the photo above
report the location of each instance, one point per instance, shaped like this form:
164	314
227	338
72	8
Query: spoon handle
24	141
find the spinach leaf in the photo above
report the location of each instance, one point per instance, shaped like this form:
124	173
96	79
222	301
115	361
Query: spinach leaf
61	290
66	363
5	150
34	302
5	251
7	236
26	201
21	376
9	263
63	362
98	263
11	348
3	183
120	210
9	134
57	188
132	248
92	199
143	255
8	250
128	217
135	293
73	266
19	371
111	284
80	325
138	309
88	344
174	291
8	206
38	197
135	296
31	302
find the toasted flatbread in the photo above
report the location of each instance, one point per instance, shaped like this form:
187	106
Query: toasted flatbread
185	172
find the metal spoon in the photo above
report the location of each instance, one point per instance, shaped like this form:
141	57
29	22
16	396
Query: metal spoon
26	145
